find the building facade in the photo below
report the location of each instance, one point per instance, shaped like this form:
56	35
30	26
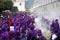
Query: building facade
46	8
20	4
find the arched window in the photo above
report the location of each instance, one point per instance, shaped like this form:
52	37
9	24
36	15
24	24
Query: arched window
20	4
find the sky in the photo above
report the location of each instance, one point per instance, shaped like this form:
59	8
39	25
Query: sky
29	3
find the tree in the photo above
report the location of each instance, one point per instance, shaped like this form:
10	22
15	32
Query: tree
14	9
1	5
6	5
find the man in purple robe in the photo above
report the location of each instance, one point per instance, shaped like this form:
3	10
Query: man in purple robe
17	35
57	25
32	34
54	26
41	37
23	34
29	35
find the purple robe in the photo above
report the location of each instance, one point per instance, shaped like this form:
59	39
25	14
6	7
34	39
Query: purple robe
54	27
35	33
39	33
5	35
31	26
58	33
5	27
41	37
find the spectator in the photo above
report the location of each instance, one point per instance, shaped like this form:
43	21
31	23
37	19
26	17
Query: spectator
40	36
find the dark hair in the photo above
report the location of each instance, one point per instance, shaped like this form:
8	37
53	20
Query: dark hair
56	20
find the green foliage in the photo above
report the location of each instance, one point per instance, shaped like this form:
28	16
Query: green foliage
1	5
14	9
6	4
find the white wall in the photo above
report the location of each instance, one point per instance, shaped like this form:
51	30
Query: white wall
20	7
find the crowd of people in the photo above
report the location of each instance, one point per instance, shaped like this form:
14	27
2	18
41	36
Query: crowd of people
24	28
